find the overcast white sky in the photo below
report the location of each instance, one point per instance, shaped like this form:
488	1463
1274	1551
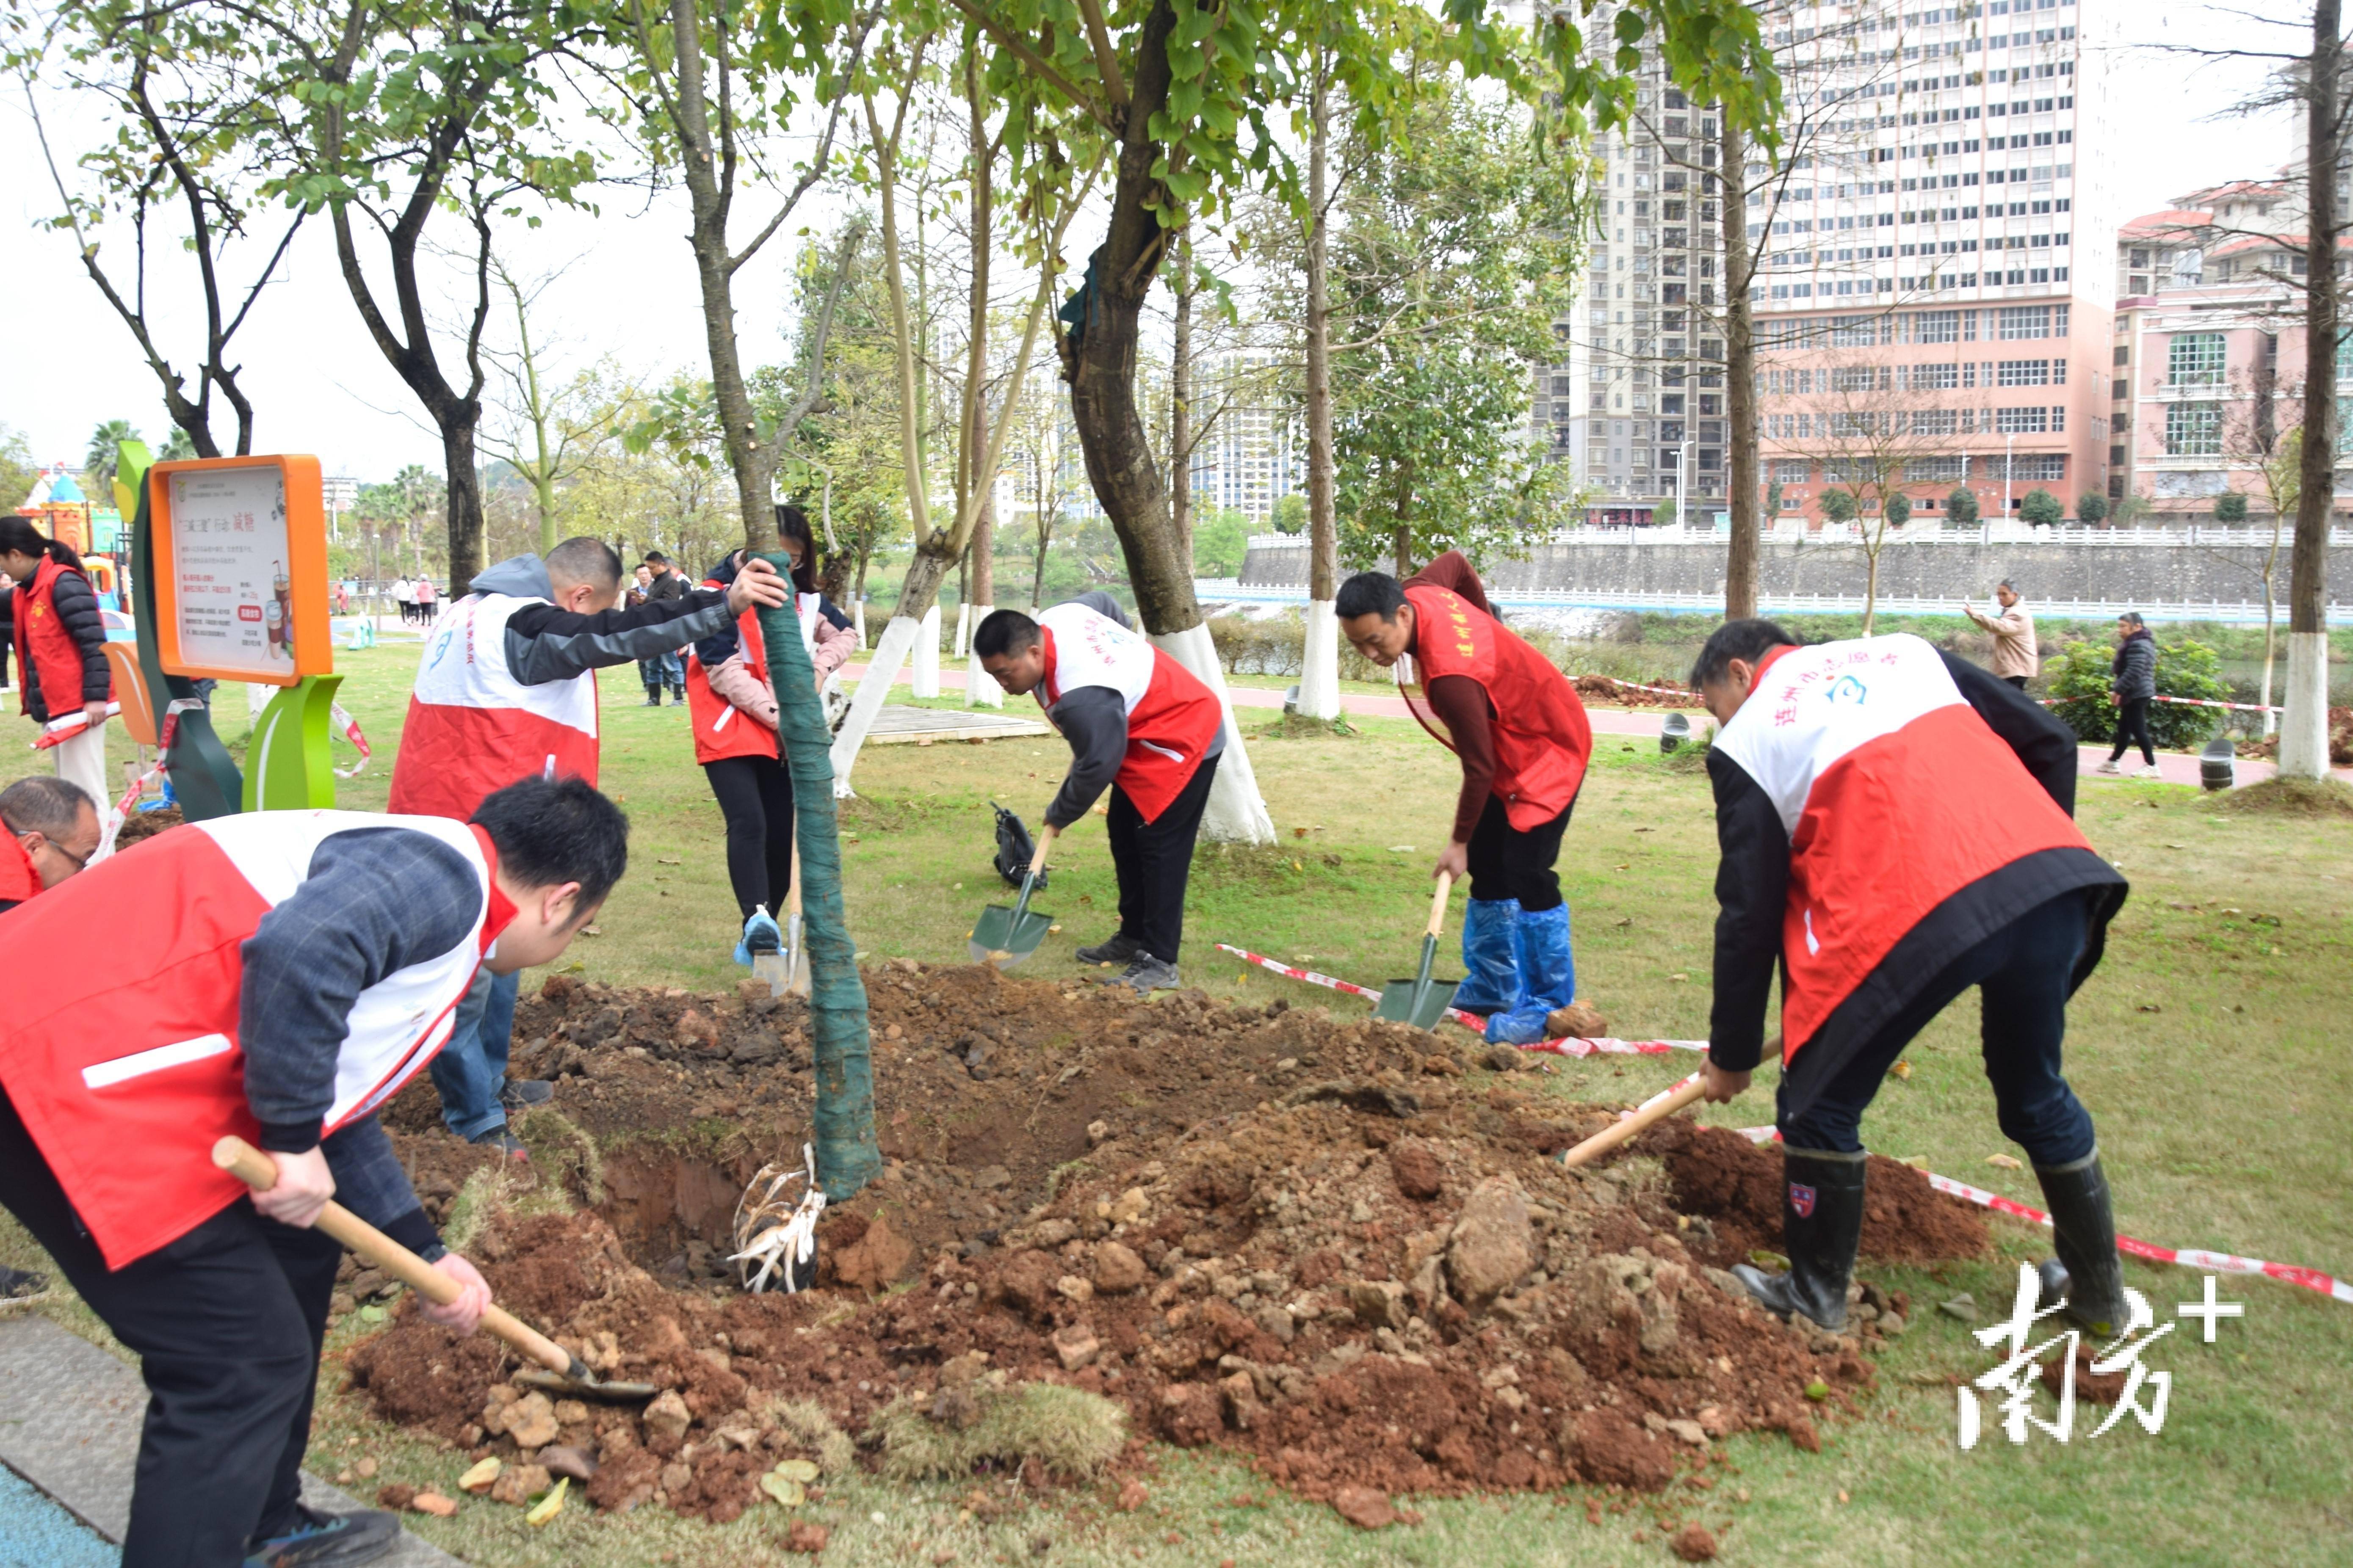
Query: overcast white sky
320	386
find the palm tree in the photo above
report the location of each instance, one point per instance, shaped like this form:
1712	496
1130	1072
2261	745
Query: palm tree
99	463
179	445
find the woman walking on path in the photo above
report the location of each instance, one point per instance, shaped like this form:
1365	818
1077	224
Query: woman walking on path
60	644
426	596
733	705
2132	686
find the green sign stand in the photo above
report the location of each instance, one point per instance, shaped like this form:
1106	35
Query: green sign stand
204	778
287	766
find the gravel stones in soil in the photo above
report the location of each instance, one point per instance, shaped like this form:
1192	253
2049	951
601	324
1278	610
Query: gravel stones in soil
1309	1240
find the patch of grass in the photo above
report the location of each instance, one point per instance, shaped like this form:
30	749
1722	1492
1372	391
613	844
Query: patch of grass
813	1429
2308	798
1074	1434
1299	727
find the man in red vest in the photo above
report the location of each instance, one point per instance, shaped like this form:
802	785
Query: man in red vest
1897	825
1138	721
1516	723
52	827
507	690
297	969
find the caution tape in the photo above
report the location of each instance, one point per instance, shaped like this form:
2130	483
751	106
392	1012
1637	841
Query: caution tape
1471	1021
352	732
1604	1046
1692	697
57	731
2177	701
2186	1257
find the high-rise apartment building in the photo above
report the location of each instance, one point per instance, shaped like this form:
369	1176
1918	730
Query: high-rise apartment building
1937	275
1255	452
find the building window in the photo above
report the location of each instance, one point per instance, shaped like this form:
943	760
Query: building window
2025	372
2020	421
2195	358
1790	473
2193	429
2025	322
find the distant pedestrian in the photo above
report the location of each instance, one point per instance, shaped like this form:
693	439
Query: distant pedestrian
404	595
634	594
2132	686
668	671
2015	656
425	596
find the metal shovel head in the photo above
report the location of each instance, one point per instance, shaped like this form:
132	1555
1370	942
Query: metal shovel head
584	1384
774	969
1004	937
1398	1002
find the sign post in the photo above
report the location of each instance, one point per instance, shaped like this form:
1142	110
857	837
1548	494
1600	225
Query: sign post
240	587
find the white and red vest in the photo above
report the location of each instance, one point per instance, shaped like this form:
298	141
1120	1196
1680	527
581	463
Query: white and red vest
473	728
1542	736
722	729
125	1085
1897	796
1172	718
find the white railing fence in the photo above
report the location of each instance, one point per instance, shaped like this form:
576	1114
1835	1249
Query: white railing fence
2215	536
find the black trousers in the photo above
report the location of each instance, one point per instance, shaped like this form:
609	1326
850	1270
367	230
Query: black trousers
1506	863
226	1321
755	796
2132	728
2017	680
1153	860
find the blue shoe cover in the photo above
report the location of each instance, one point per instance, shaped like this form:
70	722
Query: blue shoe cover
760	935
1548	978
1491	965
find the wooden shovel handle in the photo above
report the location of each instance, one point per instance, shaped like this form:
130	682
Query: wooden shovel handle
1438	902
1046	835
1664	1103
257	1171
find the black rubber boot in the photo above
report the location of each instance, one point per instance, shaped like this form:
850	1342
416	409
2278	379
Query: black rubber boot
2086	1272
653	696
1821	1222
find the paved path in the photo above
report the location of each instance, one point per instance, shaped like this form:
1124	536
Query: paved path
2174	767
69	1417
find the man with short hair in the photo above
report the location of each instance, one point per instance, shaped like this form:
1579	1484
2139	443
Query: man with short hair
1514	720
1896	827
666	671
297	968
53	830
2015	657
1143	724
507	690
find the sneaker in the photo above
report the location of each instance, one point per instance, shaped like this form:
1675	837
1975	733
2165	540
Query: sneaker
18	1287
1119	949
522	1093
2109	768
503	1140
1146	975
320	1540
2152	771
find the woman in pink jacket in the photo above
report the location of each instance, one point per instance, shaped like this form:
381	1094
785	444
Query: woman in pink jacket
733	705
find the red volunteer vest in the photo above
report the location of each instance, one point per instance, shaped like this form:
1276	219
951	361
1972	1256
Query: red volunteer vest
473	728
1172	718
1896	797
1542	737
722	729
19	879
44	648
126	1086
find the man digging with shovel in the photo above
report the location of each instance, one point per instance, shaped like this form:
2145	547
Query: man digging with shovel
1516	723
1138	721
296	969
1897	825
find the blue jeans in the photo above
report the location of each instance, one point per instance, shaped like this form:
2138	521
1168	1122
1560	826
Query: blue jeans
472	1068
669	669
2022	973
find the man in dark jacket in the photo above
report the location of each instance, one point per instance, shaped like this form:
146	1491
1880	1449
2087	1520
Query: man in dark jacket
2132	686
1938	852
665	671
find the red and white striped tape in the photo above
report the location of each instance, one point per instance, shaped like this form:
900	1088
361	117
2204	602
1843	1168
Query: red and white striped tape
352	732
57	731
2178	703
2187	1257
1692	696
1472	1021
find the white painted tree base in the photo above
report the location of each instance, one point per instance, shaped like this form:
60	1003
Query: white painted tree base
980	689
874	691
858	618
1319	664
964	630
2304	728
1236	812
926	677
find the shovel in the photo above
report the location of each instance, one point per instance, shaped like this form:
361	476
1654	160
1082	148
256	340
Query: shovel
786	969
1419	1002
1004	937
566	1374
1664	1103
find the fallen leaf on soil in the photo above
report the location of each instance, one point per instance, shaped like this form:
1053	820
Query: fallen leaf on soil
548	1506
434	1503
2003	1162
787	1492
798	1471
478	1479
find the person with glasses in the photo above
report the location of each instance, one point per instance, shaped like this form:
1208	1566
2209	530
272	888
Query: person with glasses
53	827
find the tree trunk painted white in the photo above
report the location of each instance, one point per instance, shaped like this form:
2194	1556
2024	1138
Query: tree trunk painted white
857	615
2304	728
964	630
874	691
1319	666
1236	812
980	687
926	679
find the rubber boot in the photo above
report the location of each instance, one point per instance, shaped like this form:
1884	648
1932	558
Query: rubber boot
653	694
2087	1272
1547	977
1821	1224
1490	964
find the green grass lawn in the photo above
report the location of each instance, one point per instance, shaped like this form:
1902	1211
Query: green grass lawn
2209	1047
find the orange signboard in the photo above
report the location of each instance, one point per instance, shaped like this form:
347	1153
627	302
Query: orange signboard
241	568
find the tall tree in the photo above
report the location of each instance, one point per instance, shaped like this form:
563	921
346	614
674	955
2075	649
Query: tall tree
1740	370
2304	728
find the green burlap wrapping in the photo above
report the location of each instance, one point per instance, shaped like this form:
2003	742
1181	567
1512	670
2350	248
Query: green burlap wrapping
847	1155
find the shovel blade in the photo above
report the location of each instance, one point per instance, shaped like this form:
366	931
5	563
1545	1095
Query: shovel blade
584	1388
797	974
774	969
1002	938
1418	1003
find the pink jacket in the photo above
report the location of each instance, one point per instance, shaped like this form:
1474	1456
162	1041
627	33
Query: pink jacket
734	681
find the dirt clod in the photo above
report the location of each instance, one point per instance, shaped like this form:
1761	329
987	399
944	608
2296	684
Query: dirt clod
1693	1543
1365	1507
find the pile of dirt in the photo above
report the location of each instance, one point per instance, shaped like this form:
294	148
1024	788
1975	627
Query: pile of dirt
1307	1239
1606	691
142	824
